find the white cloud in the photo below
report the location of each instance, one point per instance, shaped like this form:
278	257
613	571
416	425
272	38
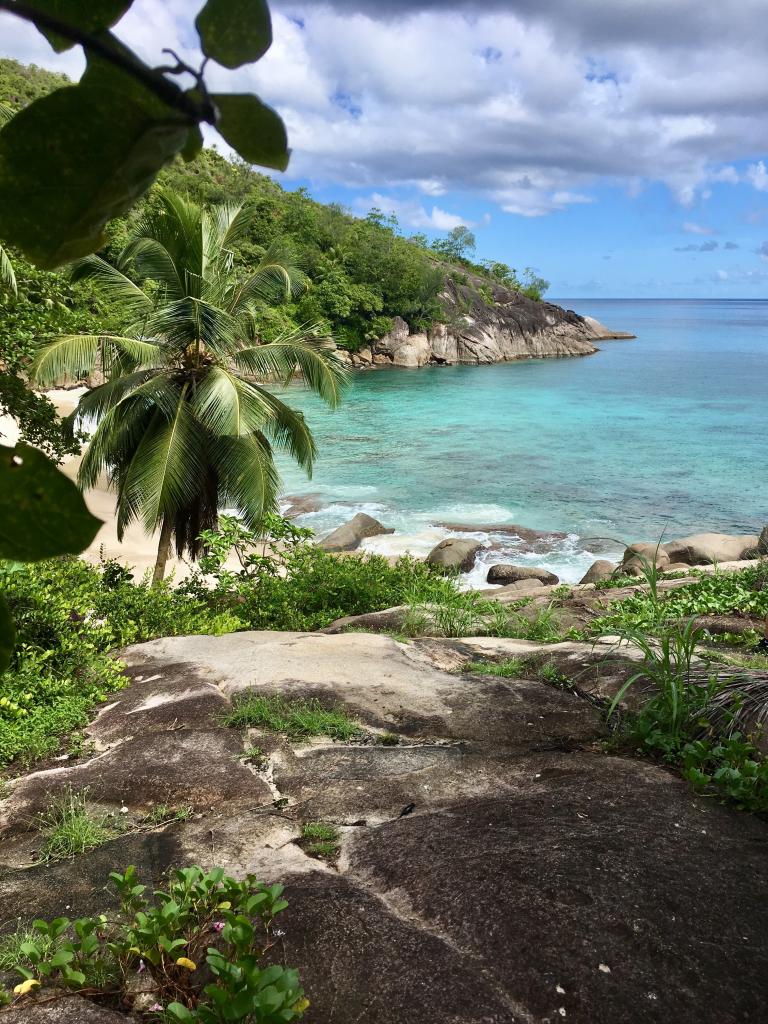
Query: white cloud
757	176
413	214
529	105
696	229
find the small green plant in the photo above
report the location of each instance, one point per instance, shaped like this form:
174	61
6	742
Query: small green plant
201	943
164	814
69	828
389	739
562	592
508	669
551	674
666	668
320	839
729	768
300	717
255	755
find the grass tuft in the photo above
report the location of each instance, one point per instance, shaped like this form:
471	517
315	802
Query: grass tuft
320	839
300	717
163	814
12	948
509	669
68	828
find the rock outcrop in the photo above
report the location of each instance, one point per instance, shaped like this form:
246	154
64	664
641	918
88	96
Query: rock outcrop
509	326
535	878
350	536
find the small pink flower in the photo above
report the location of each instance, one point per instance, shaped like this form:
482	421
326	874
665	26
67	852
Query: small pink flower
218	926
142	967
156	1007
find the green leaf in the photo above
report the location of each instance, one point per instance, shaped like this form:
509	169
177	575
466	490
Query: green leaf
103	74
7	635
179	1012
234	32
73	160
255	130
193	145
91	16
42	513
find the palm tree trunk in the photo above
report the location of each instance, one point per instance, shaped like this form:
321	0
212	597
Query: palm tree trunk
163	550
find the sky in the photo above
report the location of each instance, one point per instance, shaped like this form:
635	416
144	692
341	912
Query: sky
618	147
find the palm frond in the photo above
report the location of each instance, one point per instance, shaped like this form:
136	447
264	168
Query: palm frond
111	446
225	404
176	224
278	277
74	356
114	285
7	274
301	351
165	472
152	260
5	114
289	431
248	478
96	403
238	222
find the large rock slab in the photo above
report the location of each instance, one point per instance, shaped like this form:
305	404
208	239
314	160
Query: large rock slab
495	865
583	899
350	535
509	326
638	557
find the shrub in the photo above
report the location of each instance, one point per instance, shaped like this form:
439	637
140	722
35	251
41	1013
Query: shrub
69	615
287	583
203	917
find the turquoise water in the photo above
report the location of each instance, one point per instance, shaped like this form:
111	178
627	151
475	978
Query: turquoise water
664	433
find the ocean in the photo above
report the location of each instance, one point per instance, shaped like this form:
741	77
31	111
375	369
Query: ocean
661	436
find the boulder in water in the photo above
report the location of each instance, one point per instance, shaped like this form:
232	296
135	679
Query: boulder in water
455	553
352	534
505	574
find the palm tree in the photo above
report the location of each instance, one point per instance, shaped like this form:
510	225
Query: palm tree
186	425
7	276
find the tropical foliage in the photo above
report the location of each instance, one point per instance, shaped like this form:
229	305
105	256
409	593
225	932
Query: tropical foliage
186	425
70	615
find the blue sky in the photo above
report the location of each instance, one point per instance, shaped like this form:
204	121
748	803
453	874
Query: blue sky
619	147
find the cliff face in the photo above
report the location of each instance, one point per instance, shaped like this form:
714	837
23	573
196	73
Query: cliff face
478	331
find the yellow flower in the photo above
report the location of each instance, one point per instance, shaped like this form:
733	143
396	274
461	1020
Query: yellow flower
184	961
300	1006
25	986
